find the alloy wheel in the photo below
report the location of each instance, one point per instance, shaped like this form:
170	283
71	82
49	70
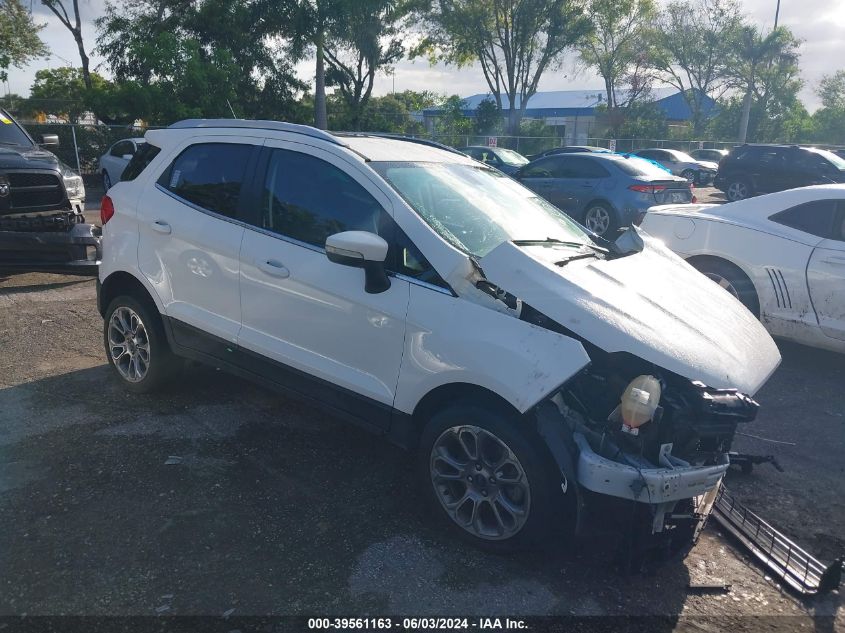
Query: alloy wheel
129	344
480	482
597	220
737	191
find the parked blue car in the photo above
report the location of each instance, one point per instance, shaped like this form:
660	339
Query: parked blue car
603	191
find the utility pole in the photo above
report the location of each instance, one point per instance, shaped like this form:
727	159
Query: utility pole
777	13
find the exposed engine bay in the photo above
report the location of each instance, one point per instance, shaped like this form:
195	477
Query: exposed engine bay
640	433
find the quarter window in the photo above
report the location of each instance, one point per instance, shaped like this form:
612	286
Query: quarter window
816	218
210	175
143	157
308	199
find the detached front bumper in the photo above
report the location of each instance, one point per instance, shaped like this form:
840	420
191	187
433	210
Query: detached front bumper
77	251
639	480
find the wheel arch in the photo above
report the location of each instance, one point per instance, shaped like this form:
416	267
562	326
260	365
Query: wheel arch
439	397
121	282
719	259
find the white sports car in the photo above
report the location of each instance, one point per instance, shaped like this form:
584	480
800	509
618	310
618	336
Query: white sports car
782	255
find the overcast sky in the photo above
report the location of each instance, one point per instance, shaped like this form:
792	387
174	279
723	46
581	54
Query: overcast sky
820	23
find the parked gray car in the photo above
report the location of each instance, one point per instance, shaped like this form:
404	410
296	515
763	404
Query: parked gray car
700	172
605	192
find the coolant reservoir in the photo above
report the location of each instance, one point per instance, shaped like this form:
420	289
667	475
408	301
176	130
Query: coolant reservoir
640	400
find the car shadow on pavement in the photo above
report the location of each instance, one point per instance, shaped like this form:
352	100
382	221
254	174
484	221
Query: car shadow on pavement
37	287
221	495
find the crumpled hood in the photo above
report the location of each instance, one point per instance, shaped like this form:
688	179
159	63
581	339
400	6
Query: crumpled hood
26	157
651	304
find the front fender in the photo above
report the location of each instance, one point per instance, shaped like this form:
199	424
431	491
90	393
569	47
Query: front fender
521	362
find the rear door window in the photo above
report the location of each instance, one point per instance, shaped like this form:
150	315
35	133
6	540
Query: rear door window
584	168
209	175
816	218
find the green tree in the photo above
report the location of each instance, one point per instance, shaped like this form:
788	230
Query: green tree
19	40
514	41
488	118
452	126
694	50
60	92
618	47
188	58
829	119
74	25
368	42
755	51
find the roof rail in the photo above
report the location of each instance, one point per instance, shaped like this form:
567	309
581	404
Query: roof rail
277	126
408	139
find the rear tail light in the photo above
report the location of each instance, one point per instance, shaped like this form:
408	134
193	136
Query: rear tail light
647	188
106	210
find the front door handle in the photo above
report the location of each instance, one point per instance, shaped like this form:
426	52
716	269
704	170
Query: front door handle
160	226
836	261
273	267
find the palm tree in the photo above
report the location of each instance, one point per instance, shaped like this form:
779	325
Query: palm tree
753	51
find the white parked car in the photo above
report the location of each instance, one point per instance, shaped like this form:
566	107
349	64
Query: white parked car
115	160
782	255
434	300
697	171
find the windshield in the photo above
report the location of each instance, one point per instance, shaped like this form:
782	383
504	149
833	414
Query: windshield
475	208
510	157
837	161
10	133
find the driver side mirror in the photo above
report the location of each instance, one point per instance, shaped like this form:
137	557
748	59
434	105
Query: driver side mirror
49	140
361	249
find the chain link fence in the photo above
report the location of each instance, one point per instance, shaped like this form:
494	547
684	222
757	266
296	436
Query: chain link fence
81	146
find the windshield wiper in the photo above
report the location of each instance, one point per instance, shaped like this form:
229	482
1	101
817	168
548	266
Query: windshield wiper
552	240
564	262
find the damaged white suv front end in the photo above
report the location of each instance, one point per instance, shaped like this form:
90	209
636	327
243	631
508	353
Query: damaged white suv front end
648	412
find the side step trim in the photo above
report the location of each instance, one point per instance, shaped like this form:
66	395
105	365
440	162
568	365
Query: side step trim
796	567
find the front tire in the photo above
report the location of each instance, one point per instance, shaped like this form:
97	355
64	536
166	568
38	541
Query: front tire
601	219
690	175
106	180
488	481
136	345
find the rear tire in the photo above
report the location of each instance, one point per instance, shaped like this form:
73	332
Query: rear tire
733	280
514	506
136	345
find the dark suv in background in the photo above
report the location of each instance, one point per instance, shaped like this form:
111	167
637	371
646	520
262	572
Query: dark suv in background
41	203
753	169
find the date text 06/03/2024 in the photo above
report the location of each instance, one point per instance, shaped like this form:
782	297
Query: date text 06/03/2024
416	624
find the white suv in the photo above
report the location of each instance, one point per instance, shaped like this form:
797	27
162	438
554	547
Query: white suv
435	300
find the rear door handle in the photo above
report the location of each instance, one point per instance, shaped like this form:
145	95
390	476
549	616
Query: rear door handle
160	226
273	267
